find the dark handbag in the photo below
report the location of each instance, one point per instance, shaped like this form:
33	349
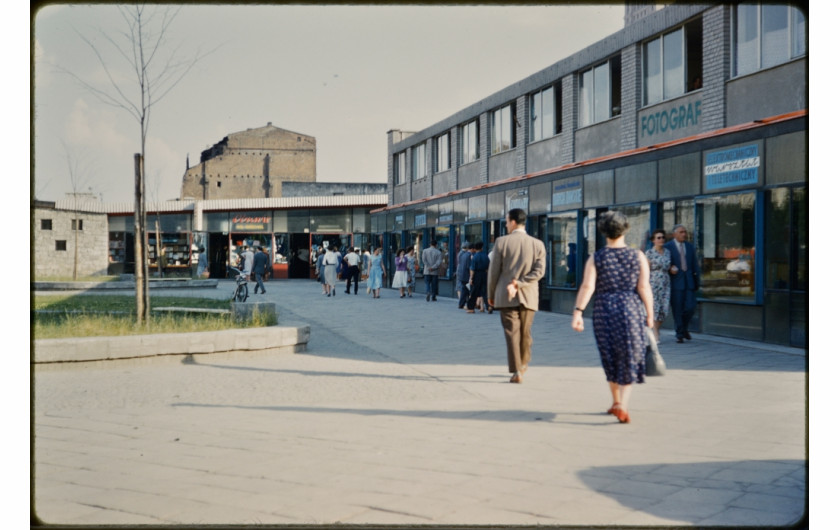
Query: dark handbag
654	363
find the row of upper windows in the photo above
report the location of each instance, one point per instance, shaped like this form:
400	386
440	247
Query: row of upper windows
672	63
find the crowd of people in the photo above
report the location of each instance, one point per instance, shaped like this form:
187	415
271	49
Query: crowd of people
632	290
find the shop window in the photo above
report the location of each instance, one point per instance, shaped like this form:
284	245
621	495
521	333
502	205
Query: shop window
545	113
61	245
77	224
678	213
443	244
638	216
502	132
418	162
442	161
472	233
766	36
672	63
469	142
46	224
562	250
786	245
726	246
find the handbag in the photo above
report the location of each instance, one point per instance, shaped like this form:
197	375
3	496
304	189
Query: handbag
654	363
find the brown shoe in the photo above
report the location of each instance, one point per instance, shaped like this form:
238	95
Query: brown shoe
470	311
516	378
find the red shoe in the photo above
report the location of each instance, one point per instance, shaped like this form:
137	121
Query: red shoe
622	415
614	408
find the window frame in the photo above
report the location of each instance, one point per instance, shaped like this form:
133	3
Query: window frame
469	140
443	162
418	162
400	168
502	119
795	34
589	98
538	116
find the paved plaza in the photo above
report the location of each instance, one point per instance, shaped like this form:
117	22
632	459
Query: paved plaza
400	412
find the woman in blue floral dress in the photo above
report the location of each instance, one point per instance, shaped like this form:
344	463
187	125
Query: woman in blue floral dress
375	272
659	260
619	277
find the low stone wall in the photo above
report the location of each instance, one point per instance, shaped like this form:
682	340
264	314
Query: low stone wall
174	283
289	338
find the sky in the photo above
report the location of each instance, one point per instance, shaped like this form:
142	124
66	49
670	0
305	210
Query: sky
343	74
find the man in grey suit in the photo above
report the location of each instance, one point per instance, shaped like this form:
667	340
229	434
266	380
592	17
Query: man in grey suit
432	259
684	281
516	266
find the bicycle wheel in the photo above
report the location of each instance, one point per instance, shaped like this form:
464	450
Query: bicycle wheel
241	293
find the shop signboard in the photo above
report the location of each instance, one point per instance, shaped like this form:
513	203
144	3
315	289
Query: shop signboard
567	194
250	223
732	168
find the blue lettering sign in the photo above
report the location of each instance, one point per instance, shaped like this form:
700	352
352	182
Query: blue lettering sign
420	219
732	167
672	119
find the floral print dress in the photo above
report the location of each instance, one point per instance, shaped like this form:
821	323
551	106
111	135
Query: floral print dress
660	282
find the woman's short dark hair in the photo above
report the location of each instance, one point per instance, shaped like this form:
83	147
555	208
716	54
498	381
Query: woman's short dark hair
658	231
613	224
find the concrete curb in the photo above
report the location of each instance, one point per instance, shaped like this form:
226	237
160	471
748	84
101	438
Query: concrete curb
175	283
289	338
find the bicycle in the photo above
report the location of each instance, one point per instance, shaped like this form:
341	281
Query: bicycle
240	292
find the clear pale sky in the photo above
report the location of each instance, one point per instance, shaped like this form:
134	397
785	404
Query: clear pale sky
343	74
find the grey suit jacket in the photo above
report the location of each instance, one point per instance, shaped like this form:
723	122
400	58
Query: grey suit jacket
432	259
520	256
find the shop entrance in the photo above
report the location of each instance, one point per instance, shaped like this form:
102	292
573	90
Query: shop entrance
217	254
299	256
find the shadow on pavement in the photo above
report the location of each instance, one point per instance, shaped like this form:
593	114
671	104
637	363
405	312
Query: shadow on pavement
754	493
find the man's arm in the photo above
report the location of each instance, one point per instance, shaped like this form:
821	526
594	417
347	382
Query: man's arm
538	267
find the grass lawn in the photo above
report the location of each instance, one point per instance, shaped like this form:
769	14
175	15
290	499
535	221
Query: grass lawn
60	316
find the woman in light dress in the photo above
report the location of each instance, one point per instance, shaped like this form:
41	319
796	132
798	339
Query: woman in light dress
375	272
401	275
331	260
660	282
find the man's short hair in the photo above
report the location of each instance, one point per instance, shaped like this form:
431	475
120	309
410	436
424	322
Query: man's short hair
676	227
478	245
433	243
518	215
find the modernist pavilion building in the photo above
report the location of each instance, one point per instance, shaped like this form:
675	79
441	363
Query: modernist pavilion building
692	114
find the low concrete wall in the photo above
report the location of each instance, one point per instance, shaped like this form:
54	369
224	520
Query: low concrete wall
123	284
289	338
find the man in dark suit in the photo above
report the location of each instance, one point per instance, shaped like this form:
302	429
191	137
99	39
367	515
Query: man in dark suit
684	281
260	268
516	266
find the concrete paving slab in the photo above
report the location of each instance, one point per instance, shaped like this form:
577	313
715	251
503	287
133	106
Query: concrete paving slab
399	413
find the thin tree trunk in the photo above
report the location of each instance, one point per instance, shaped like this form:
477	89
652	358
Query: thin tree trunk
141	262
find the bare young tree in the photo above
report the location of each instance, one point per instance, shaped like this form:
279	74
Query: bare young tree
79	174
155	69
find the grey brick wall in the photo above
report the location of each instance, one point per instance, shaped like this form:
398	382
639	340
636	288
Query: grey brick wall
716	51
631	88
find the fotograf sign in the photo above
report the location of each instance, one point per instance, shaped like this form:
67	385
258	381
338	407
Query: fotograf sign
670	121
731	168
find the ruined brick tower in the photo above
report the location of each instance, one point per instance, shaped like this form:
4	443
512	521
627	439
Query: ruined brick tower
251	164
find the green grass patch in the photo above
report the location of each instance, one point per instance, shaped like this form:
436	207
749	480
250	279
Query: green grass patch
63	316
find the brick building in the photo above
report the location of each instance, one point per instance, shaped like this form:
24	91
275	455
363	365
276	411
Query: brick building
58	233
692	113
251	164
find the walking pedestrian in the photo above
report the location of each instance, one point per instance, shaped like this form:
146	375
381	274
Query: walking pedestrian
319	269
619	276
401	274
352	260
517	264
376	271
684	281
462	274
331	261
432	260
411	268
260	269
659	260
479	265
